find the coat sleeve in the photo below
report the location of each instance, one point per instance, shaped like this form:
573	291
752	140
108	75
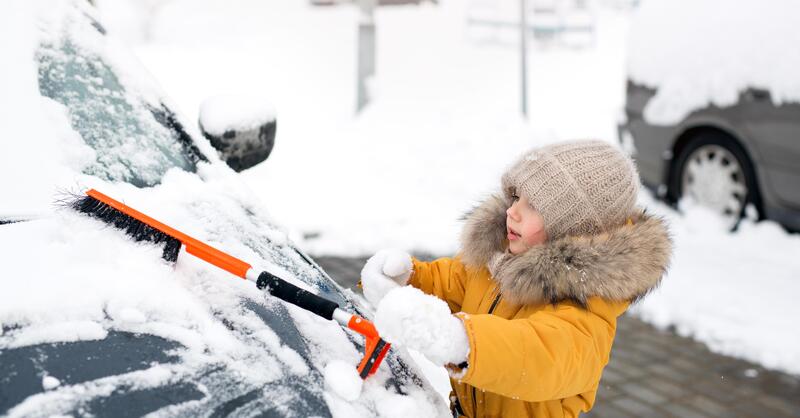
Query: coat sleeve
444	278
555	353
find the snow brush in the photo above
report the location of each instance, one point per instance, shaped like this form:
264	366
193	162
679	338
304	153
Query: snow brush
144	228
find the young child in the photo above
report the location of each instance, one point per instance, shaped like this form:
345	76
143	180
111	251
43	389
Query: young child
545	268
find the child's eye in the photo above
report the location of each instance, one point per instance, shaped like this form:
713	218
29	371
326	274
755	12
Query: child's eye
514	197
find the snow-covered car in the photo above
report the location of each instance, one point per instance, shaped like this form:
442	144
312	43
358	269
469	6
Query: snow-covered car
713	104
93	323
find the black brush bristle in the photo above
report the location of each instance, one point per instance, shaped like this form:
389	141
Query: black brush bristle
133	227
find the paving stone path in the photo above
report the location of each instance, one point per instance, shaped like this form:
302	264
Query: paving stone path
655	373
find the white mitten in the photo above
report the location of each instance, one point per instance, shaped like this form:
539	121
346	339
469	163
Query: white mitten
409	318
384	271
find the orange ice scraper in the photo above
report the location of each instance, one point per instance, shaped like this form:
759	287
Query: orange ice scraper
144	228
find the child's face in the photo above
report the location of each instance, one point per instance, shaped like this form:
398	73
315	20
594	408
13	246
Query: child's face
524	226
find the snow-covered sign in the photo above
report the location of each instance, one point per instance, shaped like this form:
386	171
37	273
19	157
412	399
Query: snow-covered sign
696	53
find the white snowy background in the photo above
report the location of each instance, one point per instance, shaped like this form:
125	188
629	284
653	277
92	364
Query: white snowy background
443	124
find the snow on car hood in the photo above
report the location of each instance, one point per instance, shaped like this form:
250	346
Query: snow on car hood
699	53
70	278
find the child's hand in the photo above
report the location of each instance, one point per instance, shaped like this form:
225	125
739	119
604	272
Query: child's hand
384	271
409	318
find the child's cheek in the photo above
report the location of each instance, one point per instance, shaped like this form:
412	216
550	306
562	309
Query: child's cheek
533	234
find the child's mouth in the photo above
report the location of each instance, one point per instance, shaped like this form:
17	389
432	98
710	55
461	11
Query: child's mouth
512	236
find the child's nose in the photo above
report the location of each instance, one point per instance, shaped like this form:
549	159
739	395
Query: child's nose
510	212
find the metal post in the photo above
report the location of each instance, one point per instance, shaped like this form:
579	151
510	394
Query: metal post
366	50
523	30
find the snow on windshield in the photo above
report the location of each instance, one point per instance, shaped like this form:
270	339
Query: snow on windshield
134	140
698	53
68	92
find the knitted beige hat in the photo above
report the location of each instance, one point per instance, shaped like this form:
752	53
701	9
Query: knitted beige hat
579	187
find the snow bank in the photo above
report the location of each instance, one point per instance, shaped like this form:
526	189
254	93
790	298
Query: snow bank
699	53
734	292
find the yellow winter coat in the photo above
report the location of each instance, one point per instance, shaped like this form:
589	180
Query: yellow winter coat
541	324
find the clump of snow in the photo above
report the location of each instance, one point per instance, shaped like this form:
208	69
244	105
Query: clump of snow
223	113
408	317
699	53
343	379
50	382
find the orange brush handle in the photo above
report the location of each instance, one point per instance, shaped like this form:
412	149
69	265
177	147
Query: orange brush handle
193	246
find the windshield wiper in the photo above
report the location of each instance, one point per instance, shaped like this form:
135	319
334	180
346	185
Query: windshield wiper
167	118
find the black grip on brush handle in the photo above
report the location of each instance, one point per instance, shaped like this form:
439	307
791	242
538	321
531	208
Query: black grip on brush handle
288	292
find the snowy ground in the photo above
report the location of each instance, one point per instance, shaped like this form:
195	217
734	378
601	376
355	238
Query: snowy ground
442	127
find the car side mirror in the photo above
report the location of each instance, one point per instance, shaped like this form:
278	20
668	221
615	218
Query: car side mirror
242	129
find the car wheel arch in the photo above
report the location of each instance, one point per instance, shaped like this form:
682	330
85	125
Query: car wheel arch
692	133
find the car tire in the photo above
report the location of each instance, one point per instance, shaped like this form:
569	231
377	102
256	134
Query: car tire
716	171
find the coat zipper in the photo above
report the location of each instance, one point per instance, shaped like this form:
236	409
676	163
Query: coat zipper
494	304
474	396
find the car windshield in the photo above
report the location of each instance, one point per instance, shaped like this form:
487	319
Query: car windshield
134	141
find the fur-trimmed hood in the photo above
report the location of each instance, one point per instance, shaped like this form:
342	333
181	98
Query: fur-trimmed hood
623	263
